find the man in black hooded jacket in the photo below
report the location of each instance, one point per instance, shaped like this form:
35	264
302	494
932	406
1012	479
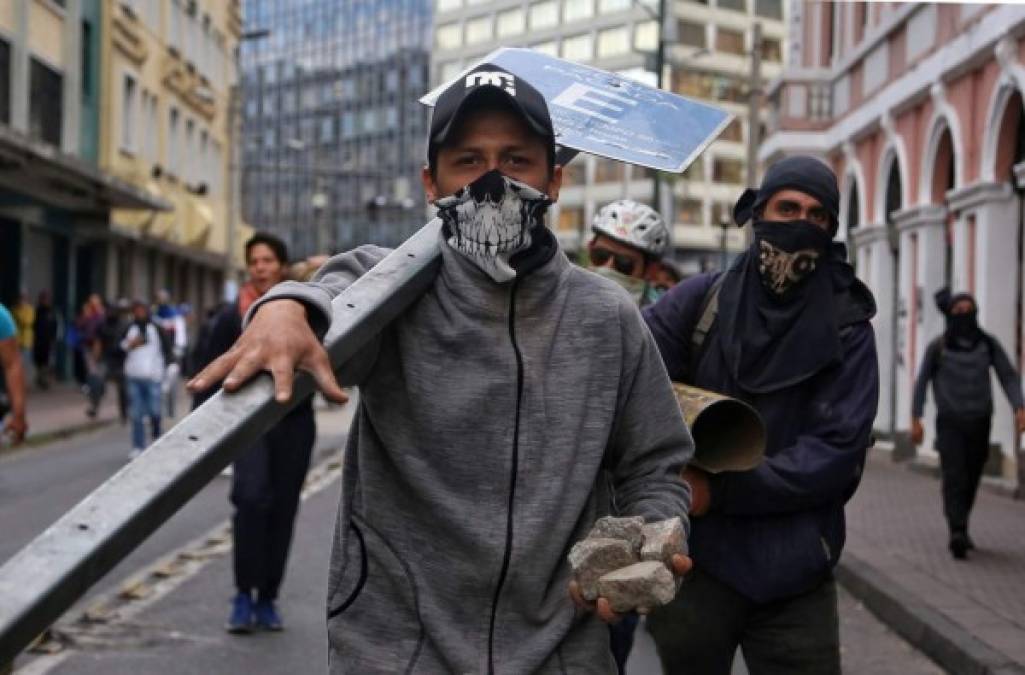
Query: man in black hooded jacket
958	364
786	329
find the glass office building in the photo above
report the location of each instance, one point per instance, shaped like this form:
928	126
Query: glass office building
333	135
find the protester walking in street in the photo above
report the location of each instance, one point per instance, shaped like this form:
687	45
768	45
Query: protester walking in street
24	318
787	330
485	444
112	332
267	479
958	363
13	421
94	314
629	242
146	349
44	337
172	323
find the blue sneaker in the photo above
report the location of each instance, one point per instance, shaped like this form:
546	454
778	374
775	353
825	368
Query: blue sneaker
267	616
241	619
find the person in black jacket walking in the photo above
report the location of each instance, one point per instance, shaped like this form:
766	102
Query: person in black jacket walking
267	479
957	363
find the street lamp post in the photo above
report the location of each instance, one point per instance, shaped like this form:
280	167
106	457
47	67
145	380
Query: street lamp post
660	66
754	121
754	105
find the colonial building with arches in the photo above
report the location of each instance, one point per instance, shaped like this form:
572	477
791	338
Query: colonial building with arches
918	108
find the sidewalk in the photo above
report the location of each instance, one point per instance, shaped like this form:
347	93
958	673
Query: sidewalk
967	615
59	412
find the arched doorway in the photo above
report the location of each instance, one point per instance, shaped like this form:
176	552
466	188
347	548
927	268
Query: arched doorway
1011	152
893	201
943	181
853	211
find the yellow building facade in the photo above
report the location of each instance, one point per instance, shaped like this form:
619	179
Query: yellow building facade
167	114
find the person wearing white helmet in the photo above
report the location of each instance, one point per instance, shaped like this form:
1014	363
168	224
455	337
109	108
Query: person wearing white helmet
629	242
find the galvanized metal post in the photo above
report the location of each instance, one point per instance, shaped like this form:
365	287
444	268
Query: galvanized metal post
46	577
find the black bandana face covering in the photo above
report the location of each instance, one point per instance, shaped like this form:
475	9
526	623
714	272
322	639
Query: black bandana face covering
491	219
788	253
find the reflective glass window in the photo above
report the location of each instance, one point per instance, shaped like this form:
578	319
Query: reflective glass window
511	22
544	14
578	48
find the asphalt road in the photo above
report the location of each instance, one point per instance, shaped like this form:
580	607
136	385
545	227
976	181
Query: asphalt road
179	629
38	485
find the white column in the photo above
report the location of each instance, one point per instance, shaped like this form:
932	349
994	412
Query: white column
994	209
19	94
921	275
875	263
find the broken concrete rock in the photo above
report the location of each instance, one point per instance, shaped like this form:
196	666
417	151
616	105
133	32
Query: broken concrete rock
590	559
663	540
627	529
645	584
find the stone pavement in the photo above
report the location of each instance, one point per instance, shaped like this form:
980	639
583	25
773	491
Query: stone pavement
968	615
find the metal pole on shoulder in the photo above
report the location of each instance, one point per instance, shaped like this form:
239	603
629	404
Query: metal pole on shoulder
47	576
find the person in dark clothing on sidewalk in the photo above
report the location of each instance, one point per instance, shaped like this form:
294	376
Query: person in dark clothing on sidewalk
43	339
957	363
787	330
268	478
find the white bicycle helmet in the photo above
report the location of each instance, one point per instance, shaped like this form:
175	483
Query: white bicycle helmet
633	224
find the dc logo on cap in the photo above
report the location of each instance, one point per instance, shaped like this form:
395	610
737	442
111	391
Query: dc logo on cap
494	78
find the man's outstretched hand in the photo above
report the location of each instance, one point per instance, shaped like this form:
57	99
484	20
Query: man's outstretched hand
278	340
681	565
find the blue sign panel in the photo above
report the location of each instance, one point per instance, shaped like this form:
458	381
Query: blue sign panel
605	114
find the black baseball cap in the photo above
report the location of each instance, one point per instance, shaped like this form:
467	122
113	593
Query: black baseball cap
487	81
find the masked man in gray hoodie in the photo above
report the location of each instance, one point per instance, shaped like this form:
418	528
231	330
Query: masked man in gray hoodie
515	402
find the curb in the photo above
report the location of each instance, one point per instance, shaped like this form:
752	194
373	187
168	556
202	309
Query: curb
945	642
46	437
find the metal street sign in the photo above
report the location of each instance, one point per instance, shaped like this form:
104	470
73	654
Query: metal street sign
609	115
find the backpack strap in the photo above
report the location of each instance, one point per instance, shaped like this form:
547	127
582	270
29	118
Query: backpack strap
706	320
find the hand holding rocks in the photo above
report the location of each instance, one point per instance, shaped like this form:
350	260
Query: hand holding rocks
625	564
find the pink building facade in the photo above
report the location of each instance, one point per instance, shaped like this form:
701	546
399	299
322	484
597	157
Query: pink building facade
918	108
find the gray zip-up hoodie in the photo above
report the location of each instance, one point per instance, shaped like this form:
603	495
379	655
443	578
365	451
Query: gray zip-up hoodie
496	422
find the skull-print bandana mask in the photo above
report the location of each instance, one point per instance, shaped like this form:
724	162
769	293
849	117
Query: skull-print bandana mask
491	219
779	304
788	253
